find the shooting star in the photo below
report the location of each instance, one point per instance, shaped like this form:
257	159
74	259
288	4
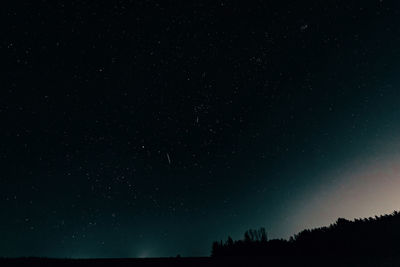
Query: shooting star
169	159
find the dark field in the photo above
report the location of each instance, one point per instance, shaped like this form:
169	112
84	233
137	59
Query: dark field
195	261
198	261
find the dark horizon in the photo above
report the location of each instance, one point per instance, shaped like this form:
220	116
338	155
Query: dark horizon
292	237
147	128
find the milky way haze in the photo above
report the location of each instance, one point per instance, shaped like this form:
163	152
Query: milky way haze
147	129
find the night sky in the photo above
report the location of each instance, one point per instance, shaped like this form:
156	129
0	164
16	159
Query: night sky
148	129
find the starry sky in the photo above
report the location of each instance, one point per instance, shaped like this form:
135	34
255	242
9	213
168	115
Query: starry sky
152	128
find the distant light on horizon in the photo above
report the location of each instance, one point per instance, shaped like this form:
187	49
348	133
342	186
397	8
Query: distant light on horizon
366	187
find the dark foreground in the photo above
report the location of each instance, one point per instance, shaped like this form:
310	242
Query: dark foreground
205	261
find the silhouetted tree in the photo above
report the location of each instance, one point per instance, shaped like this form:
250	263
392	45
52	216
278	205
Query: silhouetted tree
364	240
229	242
215	249
247	237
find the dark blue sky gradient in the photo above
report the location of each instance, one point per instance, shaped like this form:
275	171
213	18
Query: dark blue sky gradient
147	129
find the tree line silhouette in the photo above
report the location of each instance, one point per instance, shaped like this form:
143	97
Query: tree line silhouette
362	240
